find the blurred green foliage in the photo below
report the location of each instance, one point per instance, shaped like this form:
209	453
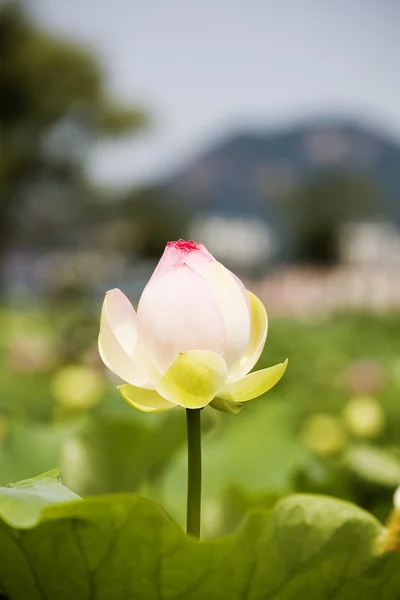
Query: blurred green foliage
331	426
153	221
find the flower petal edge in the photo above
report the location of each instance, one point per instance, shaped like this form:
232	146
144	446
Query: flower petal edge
253	385
145	400
258	336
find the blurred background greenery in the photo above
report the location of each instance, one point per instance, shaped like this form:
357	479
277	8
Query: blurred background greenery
307	216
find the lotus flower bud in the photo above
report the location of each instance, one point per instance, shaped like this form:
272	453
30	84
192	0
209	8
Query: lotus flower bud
195	337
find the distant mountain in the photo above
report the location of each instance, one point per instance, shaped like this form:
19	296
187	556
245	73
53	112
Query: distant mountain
249	173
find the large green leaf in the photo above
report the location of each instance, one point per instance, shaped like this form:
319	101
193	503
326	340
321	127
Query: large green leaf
123	547
21	503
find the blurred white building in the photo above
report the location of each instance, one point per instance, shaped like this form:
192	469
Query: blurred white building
239	242
370	243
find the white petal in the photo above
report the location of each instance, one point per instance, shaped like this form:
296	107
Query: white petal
258	335
178	313
234	309
197	259
118	337
121	317
142	360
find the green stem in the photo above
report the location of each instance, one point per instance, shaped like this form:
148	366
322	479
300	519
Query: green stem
194	472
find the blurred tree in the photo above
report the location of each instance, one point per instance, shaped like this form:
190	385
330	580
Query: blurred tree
321	205
136	222
53	107
155	221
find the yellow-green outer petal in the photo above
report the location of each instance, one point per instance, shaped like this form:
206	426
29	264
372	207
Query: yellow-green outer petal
225	405
253	385
258	335
144	400
193	379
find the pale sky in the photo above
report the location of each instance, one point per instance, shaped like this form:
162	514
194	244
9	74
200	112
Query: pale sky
205	69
